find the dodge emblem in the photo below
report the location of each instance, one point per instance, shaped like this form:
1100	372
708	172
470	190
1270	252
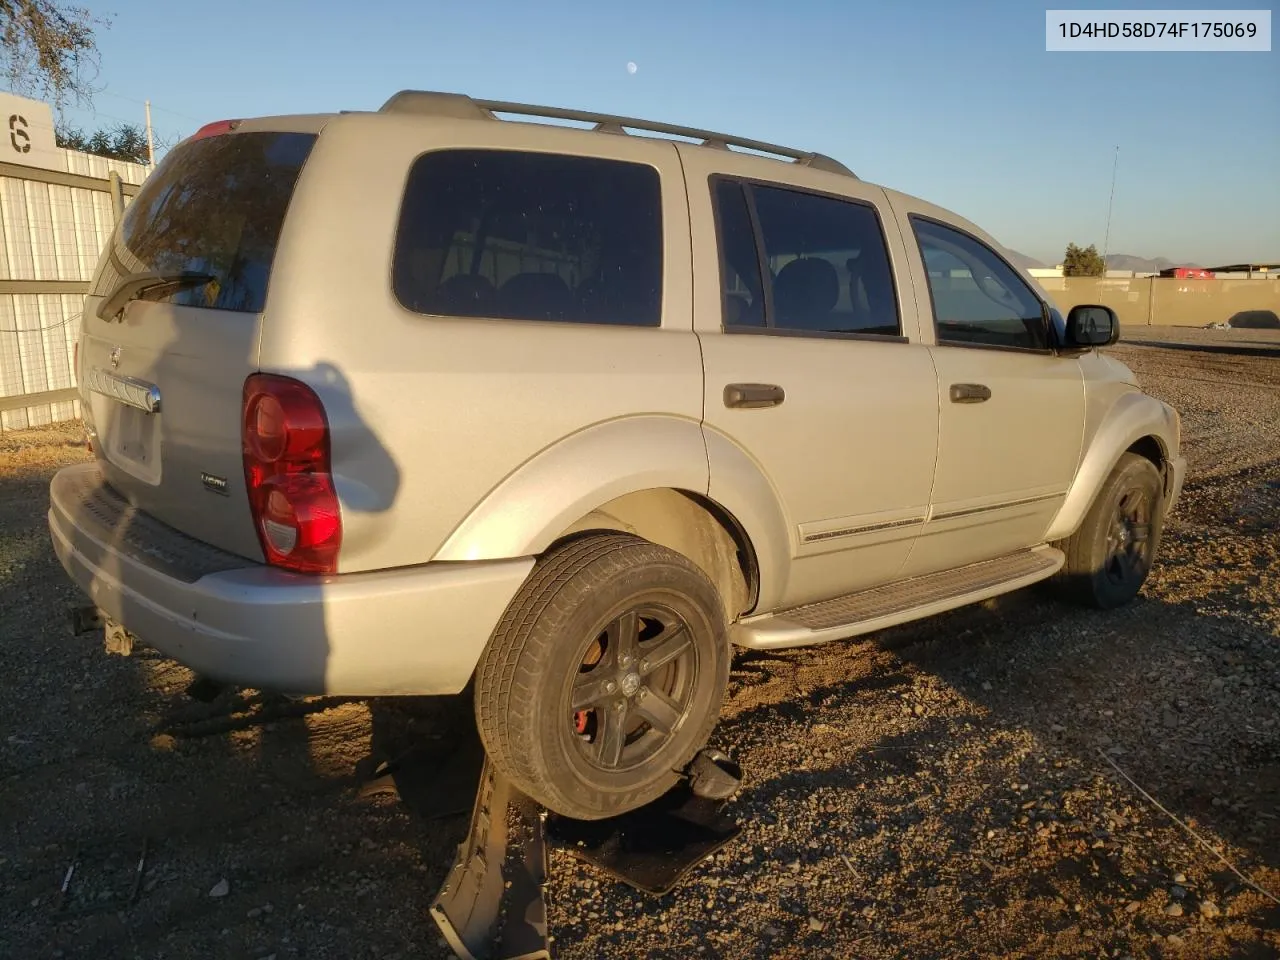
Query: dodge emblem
115	357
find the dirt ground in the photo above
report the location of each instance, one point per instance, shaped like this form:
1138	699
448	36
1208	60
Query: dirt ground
951	788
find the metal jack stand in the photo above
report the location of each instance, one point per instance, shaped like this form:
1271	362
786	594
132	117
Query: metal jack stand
491	906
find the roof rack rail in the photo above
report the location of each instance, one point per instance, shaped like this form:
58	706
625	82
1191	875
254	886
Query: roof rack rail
462	107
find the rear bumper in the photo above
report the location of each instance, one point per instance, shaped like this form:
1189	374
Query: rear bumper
416	630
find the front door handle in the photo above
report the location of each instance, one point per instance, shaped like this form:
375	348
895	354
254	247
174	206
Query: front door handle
749	396
969	393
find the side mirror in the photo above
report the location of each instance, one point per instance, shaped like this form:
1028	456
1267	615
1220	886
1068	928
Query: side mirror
1090	325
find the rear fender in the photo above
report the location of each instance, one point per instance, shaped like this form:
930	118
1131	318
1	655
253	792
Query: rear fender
570	485
742	488
548	494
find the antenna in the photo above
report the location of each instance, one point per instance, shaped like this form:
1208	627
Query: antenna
1106	237
151	140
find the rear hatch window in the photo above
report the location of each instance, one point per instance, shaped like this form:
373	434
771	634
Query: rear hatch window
214	207
211	215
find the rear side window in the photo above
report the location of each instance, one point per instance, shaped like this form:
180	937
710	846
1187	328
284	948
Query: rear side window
739	258
214	206
531	236
828	268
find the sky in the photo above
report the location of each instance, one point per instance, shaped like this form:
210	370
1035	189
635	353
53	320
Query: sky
954	102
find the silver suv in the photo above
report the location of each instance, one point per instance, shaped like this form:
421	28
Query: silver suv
396	402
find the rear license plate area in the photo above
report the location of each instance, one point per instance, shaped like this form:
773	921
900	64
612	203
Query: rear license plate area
133	435
133	443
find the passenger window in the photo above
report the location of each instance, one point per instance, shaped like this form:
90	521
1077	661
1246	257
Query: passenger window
978	299
828	264
531	236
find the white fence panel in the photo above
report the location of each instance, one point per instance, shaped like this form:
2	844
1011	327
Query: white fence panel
16	223
51	235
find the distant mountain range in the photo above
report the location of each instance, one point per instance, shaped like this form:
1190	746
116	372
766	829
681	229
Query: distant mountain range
1115	261
1023	261
1123	261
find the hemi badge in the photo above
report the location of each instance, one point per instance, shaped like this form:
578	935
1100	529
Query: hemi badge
216	484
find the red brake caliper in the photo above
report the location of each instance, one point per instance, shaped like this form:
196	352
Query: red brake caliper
580	721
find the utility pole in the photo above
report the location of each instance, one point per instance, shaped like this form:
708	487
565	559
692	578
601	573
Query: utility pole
1106	237
151	140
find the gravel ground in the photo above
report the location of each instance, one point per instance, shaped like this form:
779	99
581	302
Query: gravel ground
945	788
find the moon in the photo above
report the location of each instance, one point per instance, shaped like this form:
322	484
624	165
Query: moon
631	67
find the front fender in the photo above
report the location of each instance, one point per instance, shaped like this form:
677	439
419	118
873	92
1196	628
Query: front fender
1132	416
525	513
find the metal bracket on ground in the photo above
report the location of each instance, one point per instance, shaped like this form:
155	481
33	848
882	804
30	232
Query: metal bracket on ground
85	619
492	904
116	639
491	908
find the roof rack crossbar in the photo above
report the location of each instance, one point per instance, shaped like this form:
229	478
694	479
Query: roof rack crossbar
413	101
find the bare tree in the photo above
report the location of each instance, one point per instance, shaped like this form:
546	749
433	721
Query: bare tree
47	47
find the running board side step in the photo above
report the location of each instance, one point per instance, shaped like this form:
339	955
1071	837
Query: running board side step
895	603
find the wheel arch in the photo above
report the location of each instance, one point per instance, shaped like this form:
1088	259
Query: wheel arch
692	525
644	475
1151	448
1135	423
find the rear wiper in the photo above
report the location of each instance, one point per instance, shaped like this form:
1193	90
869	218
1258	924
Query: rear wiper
135	284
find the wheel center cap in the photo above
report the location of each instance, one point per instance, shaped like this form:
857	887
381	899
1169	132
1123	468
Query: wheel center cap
630	684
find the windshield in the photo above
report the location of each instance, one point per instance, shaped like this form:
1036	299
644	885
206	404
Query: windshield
214	206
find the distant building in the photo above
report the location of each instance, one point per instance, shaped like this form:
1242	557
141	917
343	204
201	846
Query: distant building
1187	273
1247	271
1049	273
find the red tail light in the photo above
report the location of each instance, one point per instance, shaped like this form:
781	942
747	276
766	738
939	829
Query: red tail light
287	472
217	128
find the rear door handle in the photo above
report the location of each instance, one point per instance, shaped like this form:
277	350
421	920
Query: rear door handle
752	395
969	393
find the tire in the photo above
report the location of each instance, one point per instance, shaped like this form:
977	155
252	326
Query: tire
1109	557
579	717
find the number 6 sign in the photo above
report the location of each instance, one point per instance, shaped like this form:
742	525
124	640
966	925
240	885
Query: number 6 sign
28	136
18	135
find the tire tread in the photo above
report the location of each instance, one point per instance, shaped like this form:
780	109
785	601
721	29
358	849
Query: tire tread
1078	578
514	664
